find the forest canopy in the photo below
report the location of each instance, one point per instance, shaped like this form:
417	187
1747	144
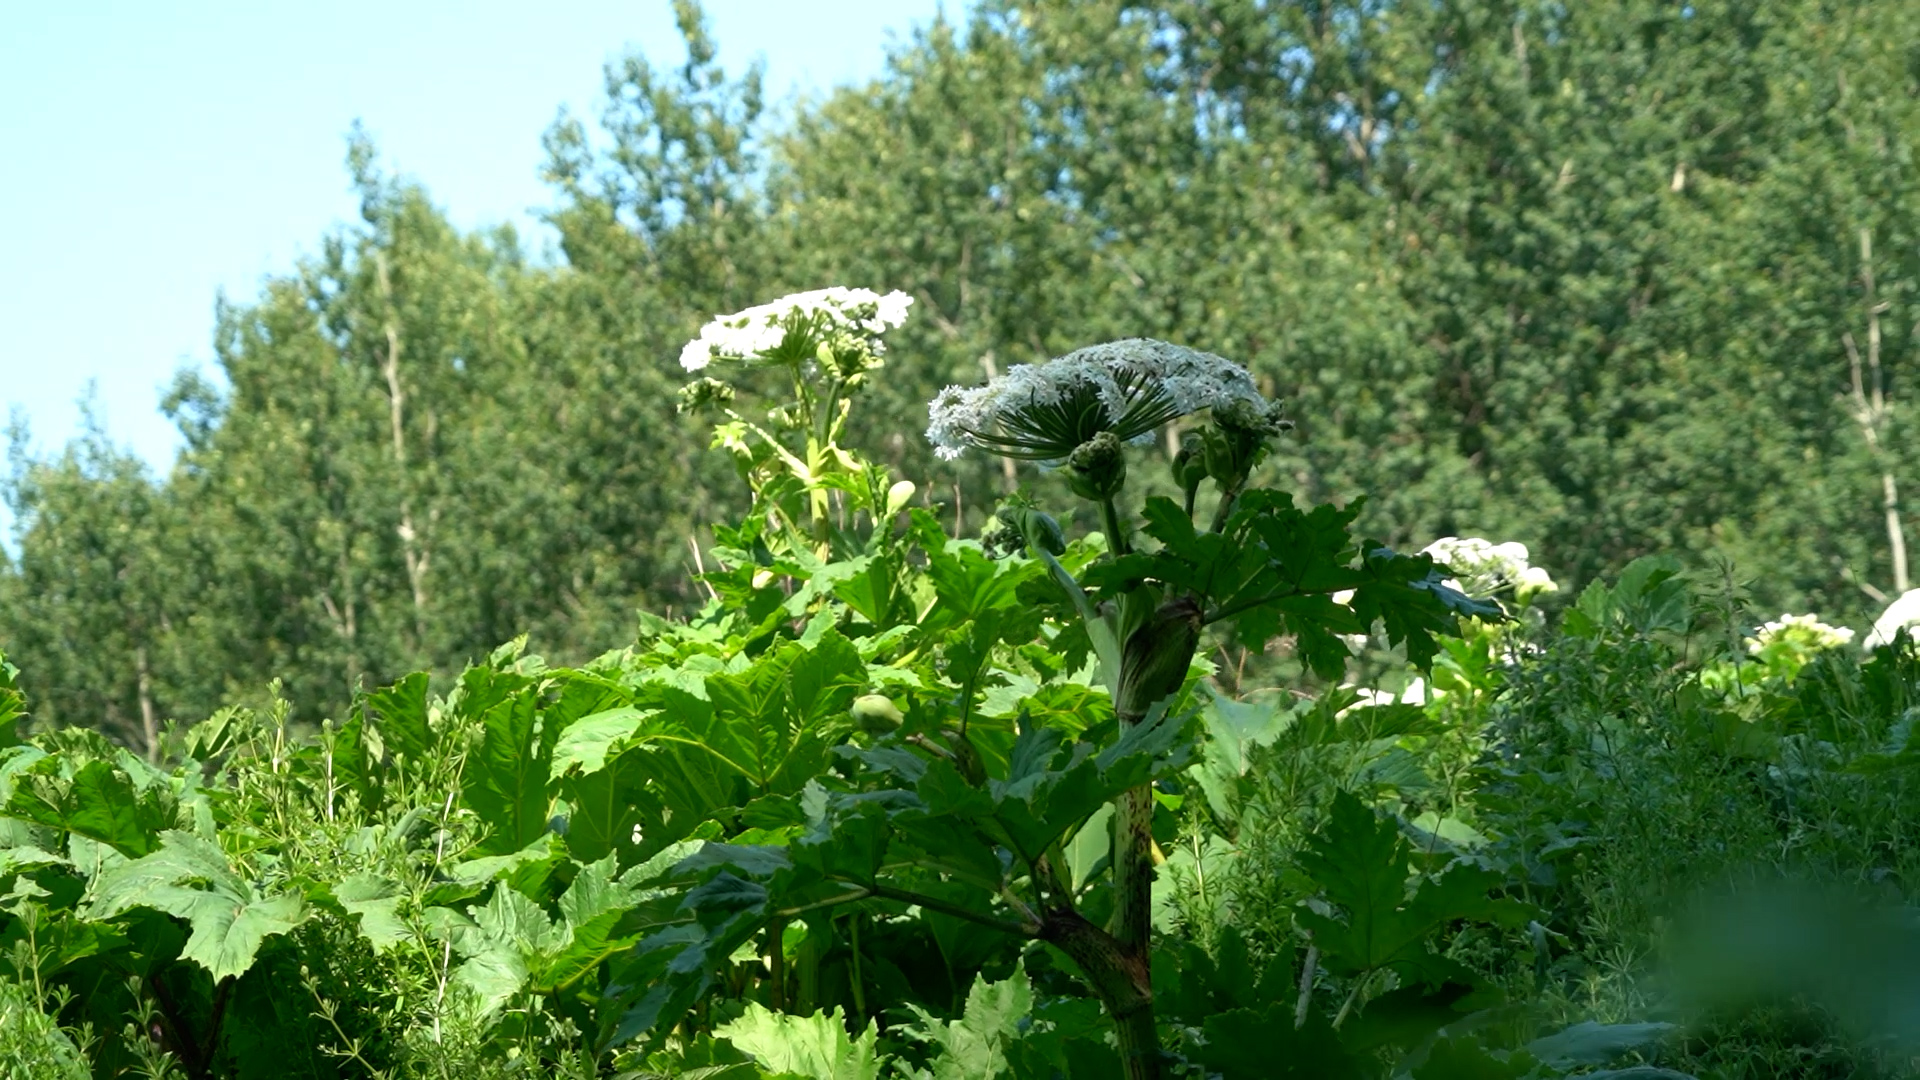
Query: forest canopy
1612	278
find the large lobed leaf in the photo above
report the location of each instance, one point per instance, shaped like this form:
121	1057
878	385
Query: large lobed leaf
191	878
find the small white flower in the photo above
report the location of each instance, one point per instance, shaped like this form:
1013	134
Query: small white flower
1129	387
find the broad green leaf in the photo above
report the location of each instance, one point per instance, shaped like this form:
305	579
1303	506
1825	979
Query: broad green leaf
349	762
1463	1057
1234	729
374	902
1361	861
1263	1044
13	704
593	905
1591	1043
1404	1017
527	869
586	743
1088	851
816	1047
27	857
505	780
505	931
398	714
99	801
776	722
191	879
607	805
975	1047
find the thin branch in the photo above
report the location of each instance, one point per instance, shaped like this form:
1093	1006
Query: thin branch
831	901
931	903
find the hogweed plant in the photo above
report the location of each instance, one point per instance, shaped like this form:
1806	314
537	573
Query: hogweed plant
824	344
1038	825
885	776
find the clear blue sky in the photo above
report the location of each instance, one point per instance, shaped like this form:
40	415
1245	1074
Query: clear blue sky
154	154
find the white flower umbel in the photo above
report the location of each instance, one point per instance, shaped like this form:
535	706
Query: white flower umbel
793	328
1482	567
1042	412
1416	693
1805	631
1903	612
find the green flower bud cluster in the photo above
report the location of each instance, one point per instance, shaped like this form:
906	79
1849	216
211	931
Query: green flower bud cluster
1019	526
705	393
1097	468
1236	442
1190	465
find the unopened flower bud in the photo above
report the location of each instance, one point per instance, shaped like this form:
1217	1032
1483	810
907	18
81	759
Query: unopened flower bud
876	713
1097	468
1190	464
1040	531
1157	656
1001	538
1238	438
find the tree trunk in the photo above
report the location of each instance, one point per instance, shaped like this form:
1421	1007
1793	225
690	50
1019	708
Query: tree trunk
1870	411
149	724
413	546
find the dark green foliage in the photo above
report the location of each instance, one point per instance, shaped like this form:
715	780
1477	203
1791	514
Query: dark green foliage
1578	275
865	797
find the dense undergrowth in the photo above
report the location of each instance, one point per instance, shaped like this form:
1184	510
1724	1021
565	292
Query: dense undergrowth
901	804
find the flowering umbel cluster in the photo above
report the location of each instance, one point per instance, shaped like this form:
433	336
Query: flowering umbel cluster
838	326
1805	633
1482	567
1126	389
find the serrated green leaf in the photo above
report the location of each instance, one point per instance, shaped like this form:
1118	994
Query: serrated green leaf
398	715
13	704
505	780
99	800
229	919
1462	1057
1361	861
1263	1044
975	1047
590	910
586	743
776	723
816	1047
374	902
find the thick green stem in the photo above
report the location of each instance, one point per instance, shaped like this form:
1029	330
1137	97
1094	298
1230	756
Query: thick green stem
1132	922
1120	978
1116	534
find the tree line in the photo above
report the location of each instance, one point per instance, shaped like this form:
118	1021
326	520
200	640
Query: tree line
1609	278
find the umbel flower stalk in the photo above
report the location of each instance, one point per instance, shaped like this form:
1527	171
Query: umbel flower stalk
1078	413
826	342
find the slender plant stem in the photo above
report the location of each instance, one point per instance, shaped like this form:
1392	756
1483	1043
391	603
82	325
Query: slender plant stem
859	990
1116	534
957	911
1221	513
